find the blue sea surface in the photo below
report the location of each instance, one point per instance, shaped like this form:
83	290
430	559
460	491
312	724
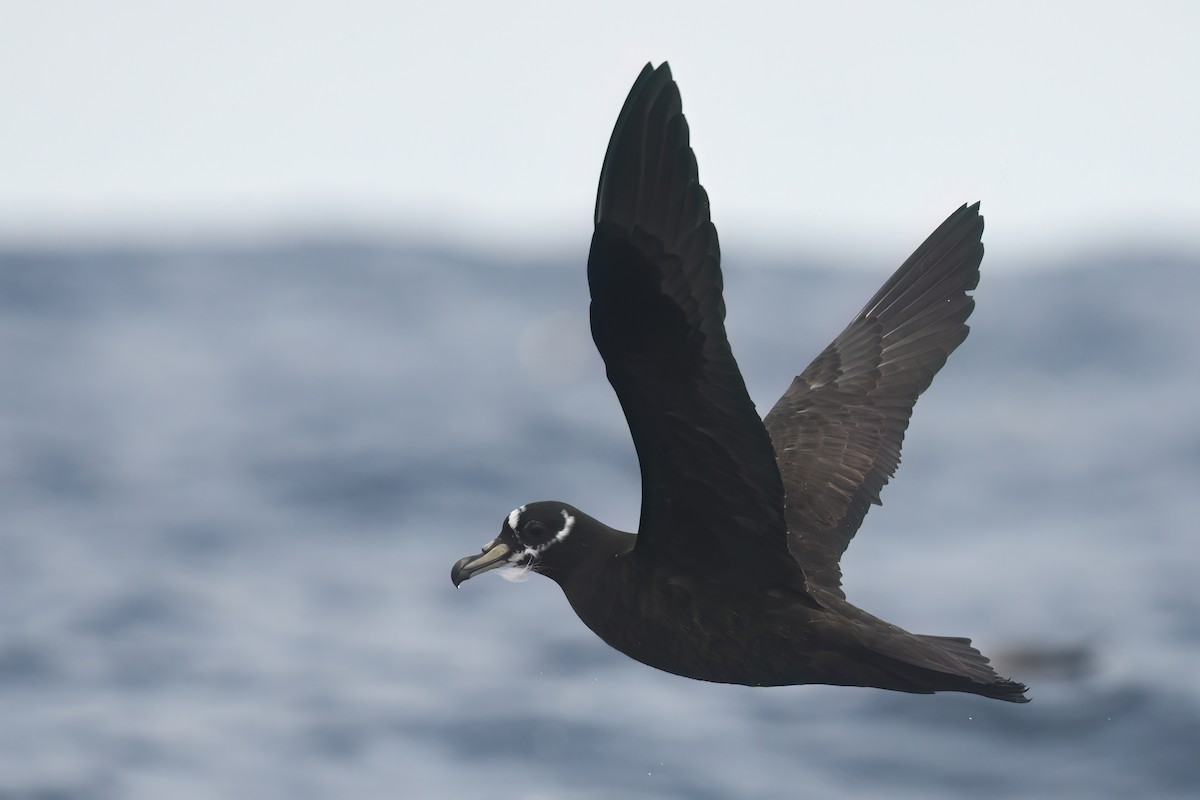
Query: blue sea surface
234	480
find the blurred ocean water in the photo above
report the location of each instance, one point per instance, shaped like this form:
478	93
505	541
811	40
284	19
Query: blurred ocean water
234	481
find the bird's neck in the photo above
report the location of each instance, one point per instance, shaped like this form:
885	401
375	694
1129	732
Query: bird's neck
590	559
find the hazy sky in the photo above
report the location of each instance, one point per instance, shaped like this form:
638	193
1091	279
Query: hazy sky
830	124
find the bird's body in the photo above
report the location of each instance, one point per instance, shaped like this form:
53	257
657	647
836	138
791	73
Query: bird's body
734	573
673	621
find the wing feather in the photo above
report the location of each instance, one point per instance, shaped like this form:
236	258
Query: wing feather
838	429
712	496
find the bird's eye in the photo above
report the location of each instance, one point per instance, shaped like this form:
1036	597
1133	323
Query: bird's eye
534	531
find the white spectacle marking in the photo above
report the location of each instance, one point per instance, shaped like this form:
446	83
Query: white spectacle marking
568	523
515	517
532	552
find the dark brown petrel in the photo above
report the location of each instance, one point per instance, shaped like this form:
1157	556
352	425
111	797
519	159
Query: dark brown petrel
733	575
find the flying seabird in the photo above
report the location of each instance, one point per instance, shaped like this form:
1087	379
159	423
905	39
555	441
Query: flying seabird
733	574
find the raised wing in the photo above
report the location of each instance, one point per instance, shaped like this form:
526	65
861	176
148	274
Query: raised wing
838	428
712	498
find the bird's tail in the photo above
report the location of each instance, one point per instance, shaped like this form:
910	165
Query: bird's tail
951	664
908	662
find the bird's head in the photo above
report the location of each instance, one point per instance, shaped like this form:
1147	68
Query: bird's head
531	538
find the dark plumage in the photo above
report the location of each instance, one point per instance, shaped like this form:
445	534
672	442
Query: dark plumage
733	575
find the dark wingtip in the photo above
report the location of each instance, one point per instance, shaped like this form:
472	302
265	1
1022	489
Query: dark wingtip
646	88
